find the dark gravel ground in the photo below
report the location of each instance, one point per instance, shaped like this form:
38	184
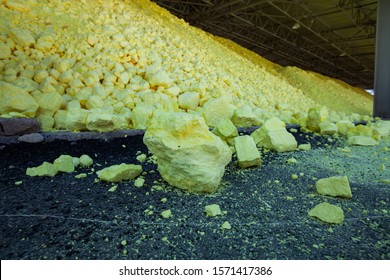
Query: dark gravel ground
63	217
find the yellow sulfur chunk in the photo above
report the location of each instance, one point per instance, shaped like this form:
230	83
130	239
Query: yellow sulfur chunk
166	214
141	157
226	225
22	37
189	100
304	147
5	51
244	117
21	6
328	128
343	126
142	114
100	120
46	122
362	141
225	129
120	172
85	161
327	213
139	182
294	176
246	150
16	99
359	130
273	135
216	109
316	116
76	119
26	83
81	175
334	186
160	78
45	169
213	210
64	163
48	102
189	156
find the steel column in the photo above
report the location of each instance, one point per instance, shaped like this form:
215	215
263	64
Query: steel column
382	62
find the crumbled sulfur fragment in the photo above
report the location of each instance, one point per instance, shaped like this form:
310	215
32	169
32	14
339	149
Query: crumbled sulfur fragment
226	225
166	214
213	210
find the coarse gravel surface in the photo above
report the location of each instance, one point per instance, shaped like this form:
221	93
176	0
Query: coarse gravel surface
63	217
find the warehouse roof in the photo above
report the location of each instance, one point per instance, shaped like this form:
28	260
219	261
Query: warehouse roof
332	37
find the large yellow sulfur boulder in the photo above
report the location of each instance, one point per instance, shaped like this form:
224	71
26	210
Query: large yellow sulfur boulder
16	99
120	172
274	136
189	156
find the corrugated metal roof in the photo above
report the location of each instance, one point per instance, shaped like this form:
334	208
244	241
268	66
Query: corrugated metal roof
333	37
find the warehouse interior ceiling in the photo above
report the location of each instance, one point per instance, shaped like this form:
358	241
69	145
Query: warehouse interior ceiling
332	37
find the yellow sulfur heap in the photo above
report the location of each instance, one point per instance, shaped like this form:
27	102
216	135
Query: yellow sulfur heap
109	65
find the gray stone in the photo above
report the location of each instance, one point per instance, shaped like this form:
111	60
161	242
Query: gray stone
31	138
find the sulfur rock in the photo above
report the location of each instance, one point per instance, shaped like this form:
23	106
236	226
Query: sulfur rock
142	114
189	100
273	135
48	103
5	51
244	117
16	99
334	186
139	182
328	128
166	214
21	6
246	150
22	37
225	129
64	163
380	129
120	172
76	119
304	147
213	210
327	213
160	78
100	120
359	130
216	109
45	169
343	126
362	141
226	225
85	161
189	156
316	116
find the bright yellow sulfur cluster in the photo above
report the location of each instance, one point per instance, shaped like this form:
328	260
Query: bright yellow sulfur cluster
108	65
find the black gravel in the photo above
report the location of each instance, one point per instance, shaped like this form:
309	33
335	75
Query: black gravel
63	217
